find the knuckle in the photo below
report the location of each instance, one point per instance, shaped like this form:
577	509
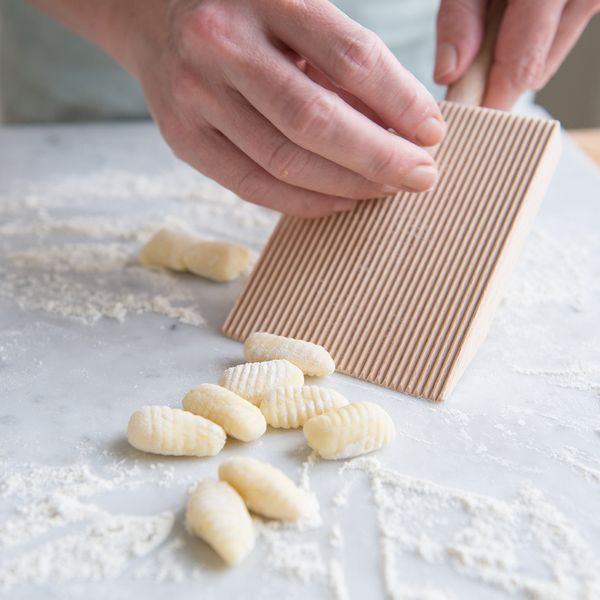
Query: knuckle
409	102
250	186
358	56
528	70
285	161
312	117
207	25
380	164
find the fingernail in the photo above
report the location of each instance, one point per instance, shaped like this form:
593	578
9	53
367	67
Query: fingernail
421	178
344	205
430	132
446	59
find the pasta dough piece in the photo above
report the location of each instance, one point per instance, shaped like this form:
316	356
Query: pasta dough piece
290	407
220	261
238	417
253	381
166	248
265	489
311	358
349	431
174	432
217	514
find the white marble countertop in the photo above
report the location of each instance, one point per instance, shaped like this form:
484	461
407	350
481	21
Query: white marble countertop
494	493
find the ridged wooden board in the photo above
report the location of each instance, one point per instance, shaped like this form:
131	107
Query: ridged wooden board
402	291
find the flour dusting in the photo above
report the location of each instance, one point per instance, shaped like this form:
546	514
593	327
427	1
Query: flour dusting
526	545
47	501
70	244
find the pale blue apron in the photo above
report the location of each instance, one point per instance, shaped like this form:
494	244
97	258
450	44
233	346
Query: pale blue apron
49	74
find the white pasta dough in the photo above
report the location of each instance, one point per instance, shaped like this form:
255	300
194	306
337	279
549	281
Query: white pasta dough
238	417
289	407
266	490
181	250
253	381
349	431
217	514
219	261
174	432
166	248
311	358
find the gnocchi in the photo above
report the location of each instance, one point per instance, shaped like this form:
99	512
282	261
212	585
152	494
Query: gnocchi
217	514
290	407
166	248
174	432
238	417
219	261
311	358
265	489
349	431
253	381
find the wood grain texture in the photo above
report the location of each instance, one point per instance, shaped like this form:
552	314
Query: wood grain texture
401	291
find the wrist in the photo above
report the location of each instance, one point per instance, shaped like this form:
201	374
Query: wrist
132	29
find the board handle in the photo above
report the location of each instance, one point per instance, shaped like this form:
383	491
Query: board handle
470	88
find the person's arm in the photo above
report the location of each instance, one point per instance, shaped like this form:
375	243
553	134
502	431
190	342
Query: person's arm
285	102
534	38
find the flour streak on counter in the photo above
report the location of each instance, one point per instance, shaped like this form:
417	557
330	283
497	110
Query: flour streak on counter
490	542
44	501
92	272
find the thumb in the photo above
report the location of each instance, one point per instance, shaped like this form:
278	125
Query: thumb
460	27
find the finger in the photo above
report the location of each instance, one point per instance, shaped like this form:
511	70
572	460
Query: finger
575	17
256	137
213	154
460	27
320	78
521	50
320	121
356	60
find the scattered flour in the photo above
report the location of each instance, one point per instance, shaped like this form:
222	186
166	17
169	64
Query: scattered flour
97	552
549	273
576	377
526	546
46	501
68	245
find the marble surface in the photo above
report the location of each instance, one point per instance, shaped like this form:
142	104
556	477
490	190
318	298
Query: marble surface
493	493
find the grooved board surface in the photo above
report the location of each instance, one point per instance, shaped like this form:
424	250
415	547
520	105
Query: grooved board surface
401	291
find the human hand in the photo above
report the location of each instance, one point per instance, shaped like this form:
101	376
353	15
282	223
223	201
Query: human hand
232	96
533	39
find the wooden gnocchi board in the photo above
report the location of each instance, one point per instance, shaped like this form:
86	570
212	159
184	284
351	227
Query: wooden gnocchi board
402	291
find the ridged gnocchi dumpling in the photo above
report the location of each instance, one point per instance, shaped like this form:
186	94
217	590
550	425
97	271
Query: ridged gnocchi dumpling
311	358
253	381
266	490
238	417
217	514
219	261
174	432
349	431
166	248
289	407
